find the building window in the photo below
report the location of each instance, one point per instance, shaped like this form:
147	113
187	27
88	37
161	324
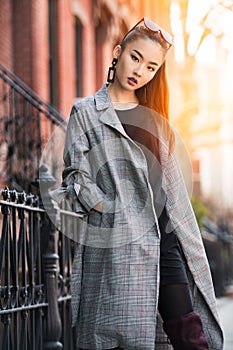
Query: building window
78	60
53	53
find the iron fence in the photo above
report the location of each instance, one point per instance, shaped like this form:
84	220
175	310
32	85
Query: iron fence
218	243
35	269
35	257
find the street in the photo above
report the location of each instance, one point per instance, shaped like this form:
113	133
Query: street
225	308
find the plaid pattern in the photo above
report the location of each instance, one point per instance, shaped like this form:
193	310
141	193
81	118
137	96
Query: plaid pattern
115	275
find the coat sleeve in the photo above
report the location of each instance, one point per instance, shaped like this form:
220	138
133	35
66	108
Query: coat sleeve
77	177
182	221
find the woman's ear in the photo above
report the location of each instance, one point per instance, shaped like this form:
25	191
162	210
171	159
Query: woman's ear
117	51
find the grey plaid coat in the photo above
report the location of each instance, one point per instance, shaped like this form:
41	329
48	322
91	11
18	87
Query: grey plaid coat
115	274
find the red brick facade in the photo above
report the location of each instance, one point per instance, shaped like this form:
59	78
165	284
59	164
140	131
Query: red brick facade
40	43
6	34
62	50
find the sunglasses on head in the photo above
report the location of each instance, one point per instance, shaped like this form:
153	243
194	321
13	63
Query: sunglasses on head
154	28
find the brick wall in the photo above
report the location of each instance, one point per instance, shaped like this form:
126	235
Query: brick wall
40	48
25	46
24	42
6	34
66	56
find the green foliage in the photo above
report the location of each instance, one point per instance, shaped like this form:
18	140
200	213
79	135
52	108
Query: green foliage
200	210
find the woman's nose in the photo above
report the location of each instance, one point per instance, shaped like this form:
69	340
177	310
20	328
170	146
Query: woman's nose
138	71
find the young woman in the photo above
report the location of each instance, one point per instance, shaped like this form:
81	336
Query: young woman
140	278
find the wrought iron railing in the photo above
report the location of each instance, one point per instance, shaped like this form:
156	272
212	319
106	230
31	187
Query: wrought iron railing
26	123
23	302
35	269
35	257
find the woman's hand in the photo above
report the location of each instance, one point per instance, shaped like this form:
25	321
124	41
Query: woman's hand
99	207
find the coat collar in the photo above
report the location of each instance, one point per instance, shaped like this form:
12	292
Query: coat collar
108	116
102	98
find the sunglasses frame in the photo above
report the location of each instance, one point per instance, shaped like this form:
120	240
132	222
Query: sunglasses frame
154	28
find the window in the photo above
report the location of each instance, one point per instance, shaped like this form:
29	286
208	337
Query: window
78	59
53	53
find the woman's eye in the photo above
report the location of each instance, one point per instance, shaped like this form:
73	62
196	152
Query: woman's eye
134	58
151	69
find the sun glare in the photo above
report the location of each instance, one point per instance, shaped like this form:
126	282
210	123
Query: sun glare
211	18
176	25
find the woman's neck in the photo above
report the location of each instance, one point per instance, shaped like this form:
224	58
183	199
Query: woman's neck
123	106
121	96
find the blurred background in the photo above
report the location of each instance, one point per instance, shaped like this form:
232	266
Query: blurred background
53	52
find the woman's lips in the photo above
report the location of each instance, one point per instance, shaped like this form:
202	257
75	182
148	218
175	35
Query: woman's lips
132	81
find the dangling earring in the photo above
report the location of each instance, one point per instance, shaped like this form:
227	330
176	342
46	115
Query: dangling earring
112	71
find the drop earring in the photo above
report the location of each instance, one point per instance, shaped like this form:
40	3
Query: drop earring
112	71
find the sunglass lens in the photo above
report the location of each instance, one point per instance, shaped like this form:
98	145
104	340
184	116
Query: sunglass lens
154	27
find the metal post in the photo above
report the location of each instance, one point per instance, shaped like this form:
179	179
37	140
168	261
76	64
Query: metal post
50	258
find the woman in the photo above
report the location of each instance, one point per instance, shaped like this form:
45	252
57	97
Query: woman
140	273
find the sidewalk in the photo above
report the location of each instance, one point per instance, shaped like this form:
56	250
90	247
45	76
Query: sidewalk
225	309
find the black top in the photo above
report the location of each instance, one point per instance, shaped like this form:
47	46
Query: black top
139	125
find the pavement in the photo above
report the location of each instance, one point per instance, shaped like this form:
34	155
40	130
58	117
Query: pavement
225	309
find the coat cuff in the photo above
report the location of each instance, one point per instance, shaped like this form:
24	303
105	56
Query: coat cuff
89	196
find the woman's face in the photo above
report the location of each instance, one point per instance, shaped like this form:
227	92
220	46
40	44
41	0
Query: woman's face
138	63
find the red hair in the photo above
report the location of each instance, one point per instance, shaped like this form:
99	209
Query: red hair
155	94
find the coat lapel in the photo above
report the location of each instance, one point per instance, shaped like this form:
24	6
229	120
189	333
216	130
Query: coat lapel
108	115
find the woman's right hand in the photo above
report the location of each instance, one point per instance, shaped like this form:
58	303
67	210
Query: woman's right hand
99	207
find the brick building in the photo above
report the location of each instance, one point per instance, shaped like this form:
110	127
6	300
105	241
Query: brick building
62	49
